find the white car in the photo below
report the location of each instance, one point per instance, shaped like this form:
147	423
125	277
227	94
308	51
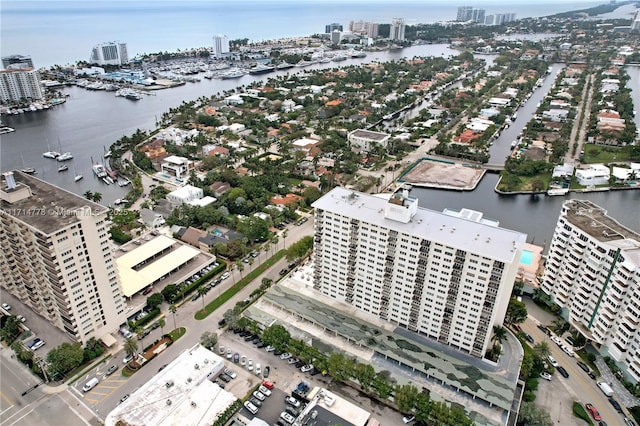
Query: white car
127	359
229	354
6	306
258	370
568	350
259	395
225	276
38	344
553	361
408	419
285	355
21	318
264	390
545	375
230	373
250	365
292	401
306	368
252	408
287	417
556	340
269	348
243	360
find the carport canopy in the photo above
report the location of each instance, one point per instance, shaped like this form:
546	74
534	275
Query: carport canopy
108	340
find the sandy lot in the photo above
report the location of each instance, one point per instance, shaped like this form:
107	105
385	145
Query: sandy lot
443	175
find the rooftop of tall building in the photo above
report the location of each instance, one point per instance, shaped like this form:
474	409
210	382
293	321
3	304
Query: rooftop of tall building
41	205
595	221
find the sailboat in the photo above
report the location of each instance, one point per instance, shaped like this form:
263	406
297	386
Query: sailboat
63	168
64	156
78	176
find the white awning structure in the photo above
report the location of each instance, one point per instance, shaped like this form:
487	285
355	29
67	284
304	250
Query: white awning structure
108	340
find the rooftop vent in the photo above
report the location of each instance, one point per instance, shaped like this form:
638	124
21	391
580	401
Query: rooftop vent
197	367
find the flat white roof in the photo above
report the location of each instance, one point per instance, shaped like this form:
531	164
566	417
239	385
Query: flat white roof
477	237
132	281
192	399
339	406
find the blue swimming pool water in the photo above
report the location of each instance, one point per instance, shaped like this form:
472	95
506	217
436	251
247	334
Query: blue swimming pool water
217	232
527	257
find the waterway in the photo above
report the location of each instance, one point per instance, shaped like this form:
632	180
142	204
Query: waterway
90	121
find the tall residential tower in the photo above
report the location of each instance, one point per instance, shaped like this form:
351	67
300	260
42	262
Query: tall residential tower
593	273
445	275
111	53
57	257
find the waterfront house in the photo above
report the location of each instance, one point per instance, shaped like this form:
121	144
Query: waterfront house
151	219
595	174
178	167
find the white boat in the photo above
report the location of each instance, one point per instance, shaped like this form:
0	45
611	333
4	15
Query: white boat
77	176
237	73
63	168
64	157
124	182
557	191
99	170
51	154
107	180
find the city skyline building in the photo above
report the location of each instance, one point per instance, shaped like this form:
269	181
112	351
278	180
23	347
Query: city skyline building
446	275
365	28
396	31
109	53
464	13
57	257
19	85
499	18
17	61
470	13
328	29
635	25
593	273
220	45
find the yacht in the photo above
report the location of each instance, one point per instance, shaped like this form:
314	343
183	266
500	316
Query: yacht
284	66
339	58
51	154
261	69
63	168
99	170
232	74
64	157
28	170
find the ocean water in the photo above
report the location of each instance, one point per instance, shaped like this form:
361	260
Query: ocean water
64	32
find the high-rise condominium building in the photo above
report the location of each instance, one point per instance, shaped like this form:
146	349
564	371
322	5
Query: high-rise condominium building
370	29
635	25
396	32
20	84
57	258
593	273
332	27
464	13
445	275
220	45
477	15
17	61
111	53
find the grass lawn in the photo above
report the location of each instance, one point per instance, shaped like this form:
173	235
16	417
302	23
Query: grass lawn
580	412
177	333
242	283
605	154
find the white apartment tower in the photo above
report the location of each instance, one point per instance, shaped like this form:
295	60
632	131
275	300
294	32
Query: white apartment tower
444	275
593	273
111	53
220	45
396	31
19	85
57	258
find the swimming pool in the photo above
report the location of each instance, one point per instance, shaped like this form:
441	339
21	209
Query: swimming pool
217	232
527	257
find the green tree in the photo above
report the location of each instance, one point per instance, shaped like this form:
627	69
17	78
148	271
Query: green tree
173	308
209	339
202	290
516	312
423	407
92	350
97	197
405	397
161	323
542	350
155	300
11	329
383	388
499	334
65	358
130	347
88	194
169	292
276	336
231	318
531	415
138	330
254	228
337	367
364	374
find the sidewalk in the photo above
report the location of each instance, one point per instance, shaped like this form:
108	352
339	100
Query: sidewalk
622	394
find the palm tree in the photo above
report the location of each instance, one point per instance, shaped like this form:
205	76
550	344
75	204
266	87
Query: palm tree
284	239
274	241
542	350
499	334
173	308
138	330
161	324
97	197
88	194
130	347
240	267
202	291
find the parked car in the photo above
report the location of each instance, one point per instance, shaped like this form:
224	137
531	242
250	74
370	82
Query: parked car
236	357
21	318
267	384
6	306
124	398
259	395
408	419
250	365
127	359
266	371
292	360
224	378
553	361
258	370
255	401
225	276
545	375
529	338
36	344
583	366
269	348
243	360
287	417
285	355
593	411
111	370
562	371
283	272
229	354
616	405
264	390
249	406
306	368
292	401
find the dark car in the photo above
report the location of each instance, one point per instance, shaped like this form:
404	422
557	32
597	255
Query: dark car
265	372
592	375
616	405
261	345
314	371
255	401
583	366
224	378
283	271
256	341
195	297
249	337
562	371
299	364
143	334
530	338
222	322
